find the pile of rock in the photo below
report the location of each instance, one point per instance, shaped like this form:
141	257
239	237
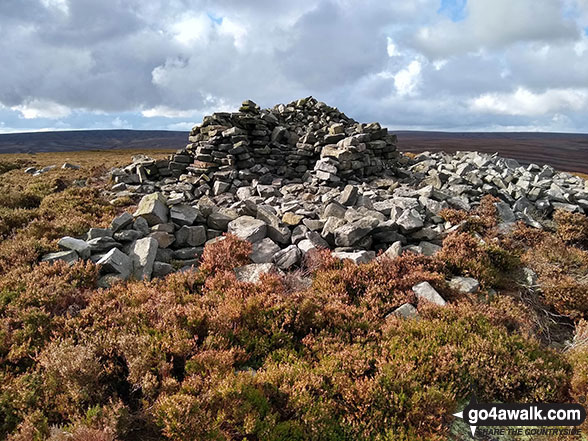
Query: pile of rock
391	209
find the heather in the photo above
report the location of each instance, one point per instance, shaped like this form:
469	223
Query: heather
314	354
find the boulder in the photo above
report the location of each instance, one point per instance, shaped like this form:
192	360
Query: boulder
406	311
120	222
184	215
356	257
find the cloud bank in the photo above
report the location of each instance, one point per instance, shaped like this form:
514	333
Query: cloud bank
424	64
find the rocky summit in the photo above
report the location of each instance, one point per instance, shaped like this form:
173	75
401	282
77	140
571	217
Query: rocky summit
304	176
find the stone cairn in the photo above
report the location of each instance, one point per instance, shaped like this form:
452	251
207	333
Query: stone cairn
303	176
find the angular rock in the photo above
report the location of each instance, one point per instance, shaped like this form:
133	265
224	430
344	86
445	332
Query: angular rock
424	290
191	236
163	239
161	269
356	257
288	257
115	261
70	257
120	222
79	246
264	251
465	285
143	254
219	220
153	209
251	273
184	215
248	228
409	221
406	311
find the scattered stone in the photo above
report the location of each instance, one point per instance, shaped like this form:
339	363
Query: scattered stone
288	257
248	228
184	215
356	257
466	285
406	311
79	246
424	290
67	165
120	222
161	269
191	236
251	273
70	257
264	251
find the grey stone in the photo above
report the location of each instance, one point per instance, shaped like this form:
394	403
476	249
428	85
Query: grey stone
251	273
406	311
264	250
69	166
219	220
79	246
115	261
356	257
94	233
334	209
143	254
350	234
424	290
280	234
161	269
120	222
188	253
393	251
70	257
128	235
142	226
465	285
428	248
191	236
163	239
349	195
409	221
248	228
101	244
184	215
153	209
288	257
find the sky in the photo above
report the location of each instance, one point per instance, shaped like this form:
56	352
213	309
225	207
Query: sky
457	65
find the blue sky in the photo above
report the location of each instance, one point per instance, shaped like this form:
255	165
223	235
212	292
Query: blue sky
498	65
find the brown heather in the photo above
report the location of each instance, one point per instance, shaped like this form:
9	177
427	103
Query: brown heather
202	356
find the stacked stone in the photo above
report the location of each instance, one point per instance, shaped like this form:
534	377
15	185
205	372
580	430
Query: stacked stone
288	141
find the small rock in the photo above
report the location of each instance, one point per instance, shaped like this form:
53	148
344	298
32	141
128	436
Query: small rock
465	285
70	257
161	269
356	256
163	239
264	251
424	290
248	228
115	261
120	222
143	254
251	273
191	236
79	246
67	165
406	311
153	209
288	257
349	195
184	214
410	220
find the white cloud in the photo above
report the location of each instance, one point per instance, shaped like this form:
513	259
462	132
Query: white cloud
525	102
39	108
407	79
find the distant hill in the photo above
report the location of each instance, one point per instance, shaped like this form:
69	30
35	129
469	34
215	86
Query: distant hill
38	142
564	151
